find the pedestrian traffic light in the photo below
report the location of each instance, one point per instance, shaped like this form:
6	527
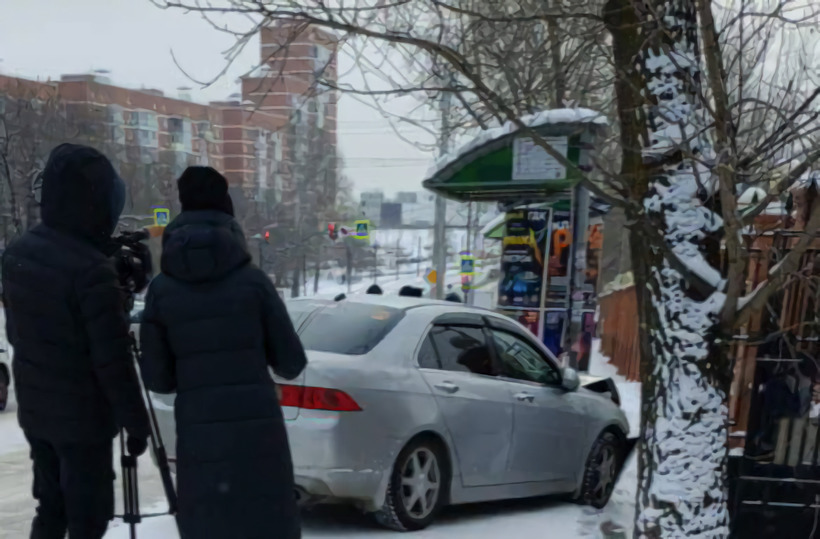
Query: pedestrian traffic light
332	233
267	236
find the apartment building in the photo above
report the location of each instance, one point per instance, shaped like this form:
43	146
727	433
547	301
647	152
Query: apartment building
275	141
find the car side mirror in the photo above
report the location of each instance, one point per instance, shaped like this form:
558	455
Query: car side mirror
136	317
569	379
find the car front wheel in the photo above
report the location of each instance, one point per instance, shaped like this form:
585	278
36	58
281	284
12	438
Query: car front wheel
603	466
416	492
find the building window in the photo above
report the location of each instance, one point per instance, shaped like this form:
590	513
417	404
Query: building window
179	130
147	138
277	147
118	134
320	113
321	58
144	118
202	129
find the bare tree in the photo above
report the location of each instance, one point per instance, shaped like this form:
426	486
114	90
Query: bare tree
688	141
32	121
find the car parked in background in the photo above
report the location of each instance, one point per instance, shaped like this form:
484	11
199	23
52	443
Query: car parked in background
408	405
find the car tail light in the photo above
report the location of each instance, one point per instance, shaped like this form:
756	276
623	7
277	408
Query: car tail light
318	398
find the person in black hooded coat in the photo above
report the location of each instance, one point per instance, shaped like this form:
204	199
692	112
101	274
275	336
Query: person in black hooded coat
73	370
213	324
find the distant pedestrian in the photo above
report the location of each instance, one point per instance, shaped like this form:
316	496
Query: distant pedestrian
213	324
411	292
375	289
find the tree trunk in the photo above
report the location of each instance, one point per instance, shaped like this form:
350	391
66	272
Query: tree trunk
317	271
681	483
295	286
559	79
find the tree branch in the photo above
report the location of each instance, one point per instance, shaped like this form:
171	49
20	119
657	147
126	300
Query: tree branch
782	271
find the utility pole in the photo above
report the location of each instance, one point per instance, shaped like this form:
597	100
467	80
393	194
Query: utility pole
304	272
468	297
397	258
375	263
576	271
349	266
440	232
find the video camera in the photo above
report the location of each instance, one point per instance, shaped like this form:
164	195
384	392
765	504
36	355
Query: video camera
133	263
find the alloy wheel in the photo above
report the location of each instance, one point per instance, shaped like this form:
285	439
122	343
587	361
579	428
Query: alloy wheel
606	469
420	483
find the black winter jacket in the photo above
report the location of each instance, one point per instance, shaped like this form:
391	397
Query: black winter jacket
213	324
65	312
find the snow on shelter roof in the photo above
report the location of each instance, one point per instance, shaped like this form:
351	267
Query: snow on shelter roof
545	117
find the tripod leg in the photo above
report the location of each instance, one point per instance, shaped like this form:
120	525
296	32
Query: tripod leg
157	445
130	490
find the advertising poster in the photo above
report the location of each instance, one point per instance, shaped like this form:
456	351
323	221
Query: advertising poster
523	255
560	246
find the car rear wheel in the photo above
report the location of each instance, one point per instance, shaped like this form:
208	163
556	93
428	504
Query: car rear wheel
603	465
4	387
417	488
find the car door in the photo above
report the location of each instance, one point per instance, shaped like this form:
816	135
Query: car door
548	421
456	362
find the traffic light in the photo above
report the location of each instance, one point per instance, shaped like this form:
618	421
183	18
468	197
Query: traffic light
267	236
332	233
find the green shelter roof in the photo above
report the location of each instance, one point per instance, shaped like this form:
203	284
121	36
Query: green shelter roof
493	166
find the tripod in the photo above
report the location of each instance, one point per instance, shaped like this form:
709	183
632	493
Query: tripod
130	488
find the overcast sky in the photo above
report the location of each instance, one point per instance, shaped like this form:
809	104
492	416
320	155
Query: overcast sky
133	39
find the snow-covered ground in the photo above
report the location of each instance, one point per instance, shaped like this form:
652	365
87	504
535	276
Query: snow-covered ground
526	519
11	437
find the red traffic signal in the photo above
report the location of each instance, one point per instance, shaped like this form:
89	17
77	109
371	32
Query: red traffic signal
267	235
332	233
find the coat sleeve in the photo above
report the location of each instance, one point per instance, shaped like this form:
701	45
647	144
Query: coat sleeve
157	363
102	307
283	348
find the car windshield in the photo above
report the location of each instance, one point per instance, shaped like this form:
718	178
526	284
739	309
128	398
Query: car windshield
348	328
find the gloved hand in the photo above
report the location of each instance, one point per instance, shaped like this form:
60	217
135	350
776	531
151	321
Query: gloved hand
136	445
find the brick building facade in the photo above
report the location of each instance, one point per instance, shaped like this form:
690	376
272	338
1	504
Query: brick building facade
275	141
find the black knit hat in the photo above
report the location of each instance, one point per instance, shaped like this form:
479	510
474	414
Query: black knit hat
203	188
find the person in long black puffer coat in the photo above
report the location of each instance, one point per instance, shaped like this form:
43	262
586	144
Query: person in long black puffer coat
74	373
213	324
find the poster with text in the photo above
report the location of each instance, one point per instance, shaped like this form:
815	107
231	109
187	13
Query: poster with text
523	257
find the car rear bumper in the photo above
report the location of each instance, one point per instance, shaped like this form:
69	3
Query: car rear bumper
335	459
336	456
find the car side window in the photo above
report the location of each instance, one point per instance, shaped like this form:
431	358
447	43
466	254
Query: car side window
520	360
463	349
428	359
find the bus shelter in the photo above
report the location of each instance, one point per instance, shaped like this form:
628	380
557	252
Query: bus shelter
545	283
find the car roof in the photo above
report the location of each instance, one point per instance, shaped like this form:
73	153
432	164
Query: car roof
395	302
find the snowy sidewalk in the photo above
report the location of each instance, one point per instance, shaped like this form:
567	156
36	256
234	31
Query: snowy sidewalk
528	519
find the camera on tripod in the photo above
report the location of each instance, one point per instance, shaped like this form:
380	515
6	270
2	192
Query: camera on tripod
134	269
133	263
